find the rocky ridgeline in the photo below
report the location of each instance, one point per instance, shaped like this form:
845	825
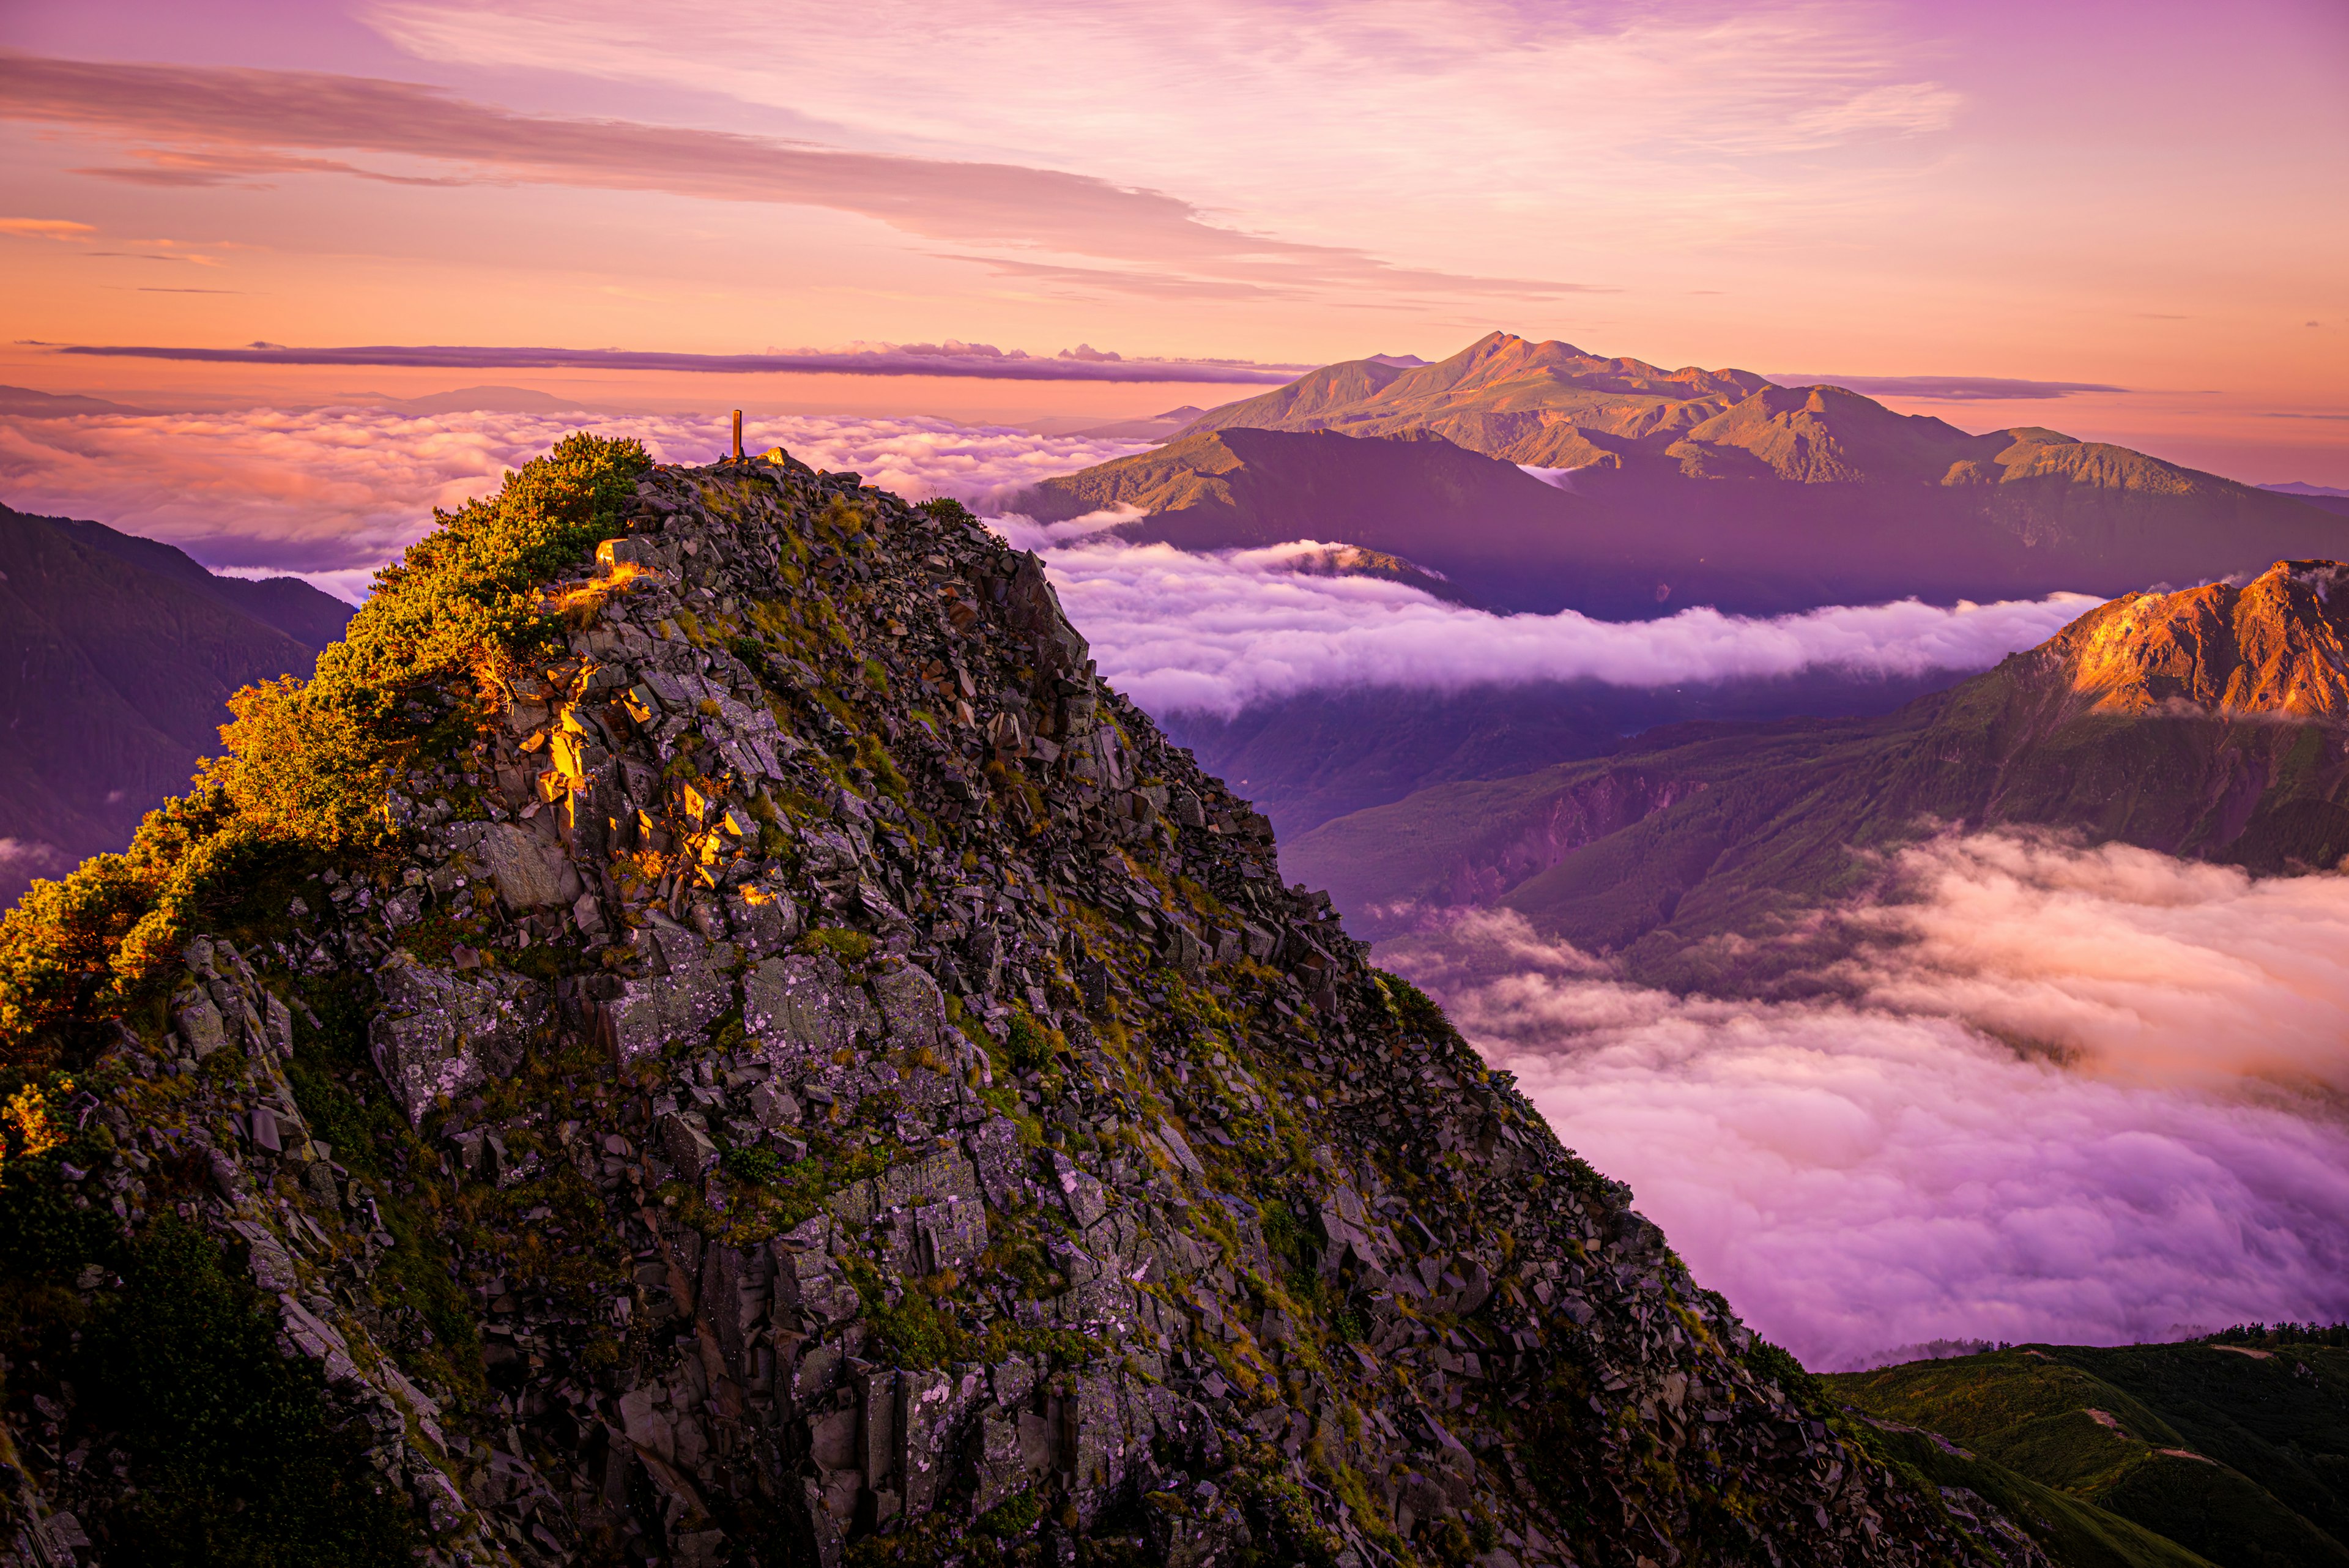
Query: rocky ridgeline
826	1081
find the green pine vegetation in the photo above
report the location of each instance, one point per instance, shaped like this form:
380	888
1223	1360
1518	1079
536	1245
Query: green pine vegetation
243	1462
306	760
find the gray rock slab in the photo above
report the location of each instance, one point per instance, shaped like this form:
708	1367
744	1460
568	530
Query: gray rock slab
442	1034
531	873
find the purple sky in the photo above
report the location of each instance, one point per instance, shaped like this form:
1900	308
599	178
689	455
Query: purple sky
2108	195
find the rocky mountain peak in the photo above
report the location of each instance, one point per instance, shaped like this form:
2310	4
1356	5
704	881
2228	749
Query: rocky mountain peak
2271	647
793	1069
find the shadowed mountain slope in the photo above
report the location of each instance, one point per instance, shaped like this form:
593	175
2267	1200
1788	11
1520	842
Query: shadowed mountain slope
116	659
309	616
1647	540
2208	723
1308	758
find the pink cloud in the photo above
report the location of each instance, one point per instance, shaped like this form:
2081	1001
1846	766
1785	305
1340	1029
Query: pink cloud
1213	634
45	228
333	492
2086	1095
913	359
225	122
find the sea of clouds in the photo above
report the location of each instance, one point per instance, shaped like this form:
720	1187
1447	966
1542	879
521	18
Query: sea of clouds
2077	1095
1214	634
331	494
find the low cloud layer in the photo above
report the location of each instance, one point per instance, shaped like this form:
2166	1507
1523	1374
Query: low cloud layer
331	494
1211	634
21	857
2087	1095
2128	963
1947	389
963	361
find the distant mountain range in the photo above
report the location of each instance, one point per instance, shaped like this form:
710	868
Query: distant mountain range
2204	723
1547	404
1149	427
116	657
25	403
2324	496
1694	488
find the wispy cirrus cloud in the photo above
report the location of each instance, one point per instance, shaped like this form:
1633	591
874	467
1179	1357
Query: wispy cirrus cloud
198	124
1947	389
978	362
175	168
1480	100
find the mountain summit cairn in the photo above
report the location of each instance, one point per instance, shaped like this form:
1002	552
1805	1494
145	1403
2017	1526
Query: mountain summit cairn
705	1034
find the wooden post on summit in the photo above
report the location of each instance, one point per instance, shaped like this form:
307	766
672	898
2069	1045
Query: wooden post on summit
738	435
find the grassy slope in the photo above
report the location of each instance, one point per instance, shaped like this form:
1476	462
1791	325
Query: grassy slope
2259	1474
1412	849
1771	820
2074	1533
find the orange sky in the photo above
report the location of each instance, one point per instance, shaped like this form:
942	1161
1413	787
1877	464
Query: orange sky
2144	197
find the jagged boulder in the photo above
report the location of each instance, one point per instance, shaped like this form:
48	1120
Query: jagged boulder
440	1034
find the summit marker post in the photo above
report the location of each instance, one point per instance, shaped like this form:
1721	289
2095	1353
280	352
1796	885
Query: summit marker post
738	435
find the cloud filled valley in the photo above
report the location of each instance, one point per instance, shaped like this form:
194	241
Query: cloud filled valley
2080	1096
2083	1095
1214	634
333	492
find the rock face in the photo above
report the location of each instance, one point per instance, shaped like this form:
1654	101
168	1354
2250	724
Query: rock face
853	1090
2271	648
